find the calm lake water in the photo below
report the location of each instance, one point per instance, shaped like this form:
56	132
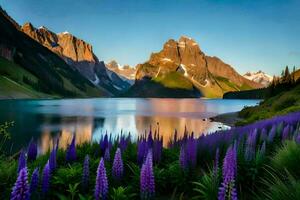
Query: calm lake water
45	120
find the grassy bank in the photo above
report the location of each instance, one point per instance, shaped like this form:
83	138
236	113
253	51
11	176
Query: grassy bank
280	104
234	164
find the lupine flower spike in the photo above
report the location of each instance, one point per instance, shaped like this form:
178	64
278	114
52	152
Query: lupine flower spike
20	190
147	184
22	161
117	168
227	190
32	151
101	186
52	160
46	178
86	172
34	180
71	151
182	158
107	155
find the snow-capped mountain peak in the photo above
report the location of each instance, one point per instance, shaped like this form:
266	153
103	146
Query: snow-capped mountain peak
259	77
123	70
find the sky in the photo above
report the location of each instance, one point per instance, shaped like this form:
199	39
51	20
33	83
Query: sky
250	35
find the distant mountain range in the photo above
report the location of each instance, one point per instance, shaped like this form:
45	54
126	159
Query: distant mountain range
36	62
126	72
183	67
259	77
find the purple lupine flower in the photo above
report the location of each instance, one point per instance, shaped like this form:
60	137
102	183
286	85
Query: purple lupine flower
20	190
32	151
123	143
22	161
104	142
118	168
150	139
46	178
71	151
101	186
272	134
147	184
157	149
230	164
110	142
191	151
285	133
107	155
142	151
227	189
227	192
86	172
34	180
250	146
182	158
52	160
234	194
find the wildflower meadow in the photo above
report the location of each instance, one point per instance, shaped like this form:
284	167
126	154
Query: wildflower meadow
256	161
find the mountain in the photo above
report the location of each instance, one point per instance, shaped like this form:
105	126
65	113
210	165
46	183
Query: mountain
29	70
181	65
124	71
259	77
79	55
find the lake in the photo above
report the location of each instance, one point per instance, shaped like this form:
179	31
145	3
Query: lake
89	119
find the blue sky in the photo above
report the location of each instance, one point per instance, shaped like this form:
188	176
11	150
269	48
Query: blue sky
248	34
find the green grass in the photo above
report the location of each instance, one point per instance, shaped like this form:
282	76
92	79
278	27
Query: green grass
280	104
174	80
281	178
227	82
14	71
11	82
245	87
12	89
288	158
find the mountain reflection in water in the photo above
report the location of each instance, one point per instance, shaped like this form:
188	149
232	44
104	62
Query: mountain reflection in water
89	119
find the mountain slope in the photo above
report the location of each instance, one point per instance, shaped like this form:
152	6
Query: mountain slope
78	54
209	75
12	83
46	72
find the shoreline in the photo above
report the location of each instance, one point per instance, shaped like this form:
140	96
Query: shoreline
228	119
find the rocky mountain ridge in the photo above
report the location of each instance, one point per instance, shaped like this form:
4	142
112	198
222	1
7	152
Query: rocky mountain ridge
79	55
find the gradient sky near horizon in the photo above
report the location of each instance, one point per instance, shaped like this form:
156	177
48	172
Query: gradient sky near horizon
250	35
